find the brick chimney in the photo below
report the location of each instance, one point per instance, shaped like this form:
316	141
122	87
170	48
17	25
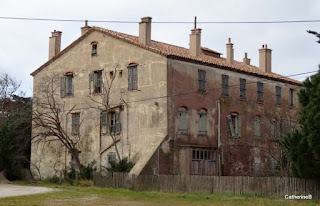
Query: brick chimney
265	59
229	51
54	43
246	60
85	28
145	31
195	42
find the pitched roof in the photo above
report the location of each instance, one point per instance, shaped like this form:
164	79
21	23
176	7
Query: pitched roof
176	52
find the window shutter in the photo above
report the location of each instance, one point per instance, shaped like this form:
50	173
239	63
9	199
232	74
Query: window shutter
103	118
130	78
62	86
257	127
90	80
184	121
73	124
229	118
118	126
134	78
239	125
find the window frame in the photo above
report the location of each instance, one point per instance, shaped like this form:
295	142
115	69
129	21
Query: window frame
291	97
234	121
202	125
97	82
132	77
94	49
243	89
260	92
202	80
224	85
75	124
278	95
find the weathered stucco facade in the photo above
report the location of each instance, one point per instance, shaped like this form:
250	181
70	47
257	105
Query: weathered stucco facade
149	115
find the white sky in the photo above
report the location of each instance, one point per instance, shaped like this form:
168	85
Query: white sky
24	44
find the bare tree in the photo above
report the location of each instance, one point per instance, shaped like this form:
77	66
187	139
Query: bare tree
50	118
8	87
105	83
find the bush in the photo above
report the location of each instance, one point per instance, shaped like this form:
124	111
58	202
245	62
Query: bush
55	179
87	172
122	166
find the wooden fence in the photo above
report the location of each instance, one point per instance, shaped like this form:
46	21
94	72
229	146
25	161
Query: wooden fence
262	186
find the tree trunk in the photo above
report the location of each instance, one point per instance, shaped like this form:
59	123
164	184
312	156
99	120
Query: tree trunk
75	162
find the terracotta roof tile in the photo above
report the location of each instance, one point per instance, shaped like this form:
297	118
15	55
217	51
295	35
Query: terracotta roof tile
176	52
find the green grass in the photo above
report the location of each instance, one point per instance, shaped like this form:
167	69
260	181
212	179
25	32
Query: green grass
89	195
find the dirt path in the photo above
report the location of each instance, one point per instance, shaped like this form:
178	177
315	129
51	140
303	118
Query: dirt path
7	190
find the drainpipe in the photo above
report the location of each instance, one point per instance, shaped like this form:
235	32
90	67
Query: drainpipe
219	137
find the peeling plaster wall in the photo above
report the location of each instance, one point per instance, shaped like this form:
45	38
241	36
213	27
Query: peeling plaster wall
237	155
147	112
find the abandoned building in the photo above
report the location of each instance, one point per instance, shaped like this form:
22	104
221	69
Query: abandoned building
175	110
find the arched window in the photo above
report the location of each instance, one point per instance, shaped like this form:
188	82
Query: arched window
183	120
256	126
202	122
94	50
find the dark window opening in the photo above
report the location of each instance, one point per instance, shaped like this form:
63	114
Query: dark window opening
94	49
291	92
97	81
278	95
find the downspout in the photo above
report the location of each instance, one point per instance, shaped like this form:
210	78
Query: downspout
129	145
219	138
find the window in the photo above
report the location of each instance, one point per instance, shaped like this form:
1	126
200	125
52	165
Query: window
95	78
225	85
259	91
275	129
183	120
243	83
66	85
112	158
256	126
94	50
202	80
75	127
291	92
234	121
132	77
202	122
278	95
104	122
110	122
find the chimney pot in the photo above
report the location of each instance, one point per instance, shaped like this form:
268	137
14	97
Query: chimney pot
230	51
265	59
246	60
54	43
86	28
195	42
145	31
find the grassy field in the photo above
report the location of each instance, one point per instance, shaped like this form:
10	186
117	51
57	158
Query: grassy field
88	195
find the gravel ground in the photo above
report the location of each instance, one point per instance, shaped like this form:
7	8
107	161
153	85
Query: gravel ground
7	190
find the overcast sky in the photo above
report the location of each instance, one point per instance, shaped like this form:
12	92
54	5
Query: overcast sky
24	44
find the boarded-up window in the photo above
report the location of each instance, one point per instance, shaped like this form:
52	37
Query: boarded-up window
278	95
225	85
259	91
132	77
256	126
75	127
235	123
203	161
183	120
243	83
62	87
202	80
291	92
202	122
275	129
